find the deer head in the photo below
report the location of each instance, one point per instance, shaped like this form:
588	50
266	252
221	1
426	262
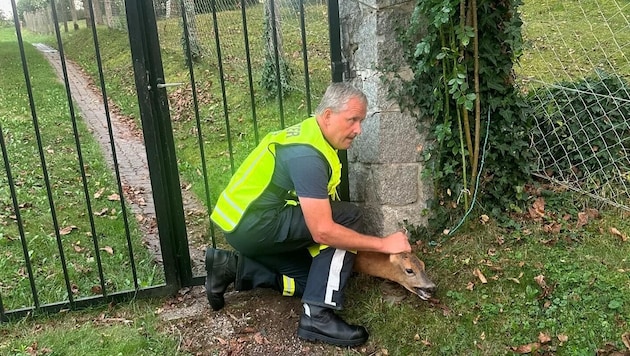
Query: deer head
404	268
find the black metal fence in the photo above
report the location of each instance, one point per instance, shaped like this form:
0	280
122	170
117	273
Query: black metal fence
130	238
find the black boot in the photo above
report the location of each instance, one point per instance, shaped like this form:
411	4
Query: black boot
318	323
221	272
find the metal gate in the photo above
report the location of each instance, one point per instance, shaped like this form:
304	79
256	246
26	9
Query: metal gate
131	238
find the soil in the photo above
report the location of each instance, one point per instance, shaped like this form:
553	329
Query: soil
257	322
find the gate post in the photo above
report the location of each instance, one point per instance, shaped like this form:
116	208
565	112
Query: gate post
158	138
386	159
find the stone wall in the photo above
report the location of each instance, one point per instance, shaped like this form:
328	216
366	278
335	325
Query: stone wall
384	161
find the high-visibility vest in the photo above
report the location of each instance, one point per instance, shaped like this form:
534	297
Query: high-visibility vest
254	175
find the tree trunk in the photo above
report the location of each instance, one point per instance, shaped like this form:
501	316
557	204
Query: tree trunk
109	18
73	13
191	22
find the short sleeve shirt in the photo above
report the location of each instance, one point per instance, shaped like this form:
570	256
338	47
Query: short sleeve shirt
301	168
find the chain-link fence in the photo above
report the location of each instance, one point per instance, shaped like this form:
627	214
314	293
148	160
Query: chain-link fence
576	70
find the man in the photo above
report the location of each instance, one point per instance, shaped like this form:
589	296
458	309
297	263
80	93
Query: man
280	214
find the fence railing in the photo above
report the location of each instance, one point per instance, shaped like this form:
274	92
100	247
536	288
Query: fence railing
576	68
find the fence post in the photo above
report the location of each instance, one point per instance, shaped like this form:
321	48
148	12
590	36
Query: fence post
158	136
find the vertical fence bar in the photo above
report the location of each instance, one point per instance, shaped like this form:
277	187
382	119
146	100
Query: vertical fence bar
249	71
18	217
222	80
200	141
336	66
160	146
307	80
42	158
110	133
276	58
77	141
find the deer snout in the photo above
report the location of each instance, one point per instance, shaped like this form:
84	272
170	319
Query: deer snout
426	291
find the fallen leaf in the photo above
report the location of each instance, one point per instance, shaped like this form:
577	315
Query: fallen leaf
484	219
515	280
537	210
113	197
626	339
526	349
96	289
543	338
67	230
470	286
107	249
99	193
618	233
582	219
563	338
540	279
102	212
480	275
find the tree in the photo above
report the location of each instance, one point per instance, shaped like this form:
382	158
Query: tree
276	72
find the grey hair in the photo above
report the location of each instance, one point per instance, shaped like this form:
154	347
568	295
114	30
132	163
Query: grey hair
337	96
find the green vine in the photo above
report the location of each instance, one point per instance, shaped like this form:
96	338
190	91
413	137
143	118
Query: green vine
462	54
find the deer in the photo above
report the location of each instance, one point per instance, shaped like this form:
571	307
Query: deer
404	268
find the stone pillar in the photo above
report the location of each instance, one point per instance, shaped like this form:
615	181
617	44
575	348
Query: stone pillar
384	161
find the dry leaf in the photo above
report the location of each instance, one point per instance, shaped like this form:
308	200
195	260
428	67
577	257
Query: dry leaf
526	349
540	279
102	212
582	219
96	289
626	339
563	338
618	233
107	249
113	197
99	193
484	219
537	210
67	230
470	286
543	338
480	275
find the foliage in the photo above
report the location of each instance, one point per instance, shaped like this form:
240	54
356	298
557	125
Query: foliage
23	6
443	93
582	119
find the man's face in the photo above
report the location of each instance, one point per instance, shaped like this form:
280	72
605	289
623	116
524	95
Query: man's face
343	126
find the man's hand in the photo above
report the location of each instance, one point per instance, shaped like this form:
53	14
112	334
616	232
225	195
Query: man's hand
396	243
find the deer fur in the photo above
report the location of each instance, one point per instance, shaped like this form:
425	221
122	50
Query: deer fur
404	268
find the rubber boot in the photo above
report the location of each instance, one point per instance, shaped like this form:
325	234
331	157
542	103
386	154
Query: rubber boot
221	268
322	324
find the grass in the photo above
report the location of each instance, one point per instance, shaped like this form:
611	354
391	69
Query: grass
72	230
582	305
568	40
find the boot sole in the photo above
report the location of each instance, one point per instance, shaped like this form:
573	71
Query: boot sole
312	336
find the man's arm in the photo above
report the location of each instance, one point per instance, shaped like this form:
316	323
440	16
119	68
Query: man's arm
318	216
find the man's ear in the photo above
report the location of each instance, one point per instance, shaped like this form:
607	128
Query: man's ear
326	115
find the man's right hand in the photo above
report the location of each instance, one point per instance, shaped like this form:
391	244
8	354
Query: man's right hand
396	243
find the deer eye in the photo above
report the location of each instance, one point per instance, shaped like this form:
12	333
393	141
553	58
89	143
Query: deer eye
409	271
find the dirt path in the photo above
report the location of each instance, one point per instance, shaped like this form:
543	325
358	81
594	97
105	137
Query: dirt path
259	322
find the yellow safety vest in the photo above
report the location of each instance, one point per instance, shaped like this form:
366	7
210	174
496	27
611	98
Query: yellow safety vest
254	175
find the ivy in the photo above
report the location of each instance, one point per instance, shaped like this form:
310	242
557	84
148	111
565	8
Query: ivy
462	54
